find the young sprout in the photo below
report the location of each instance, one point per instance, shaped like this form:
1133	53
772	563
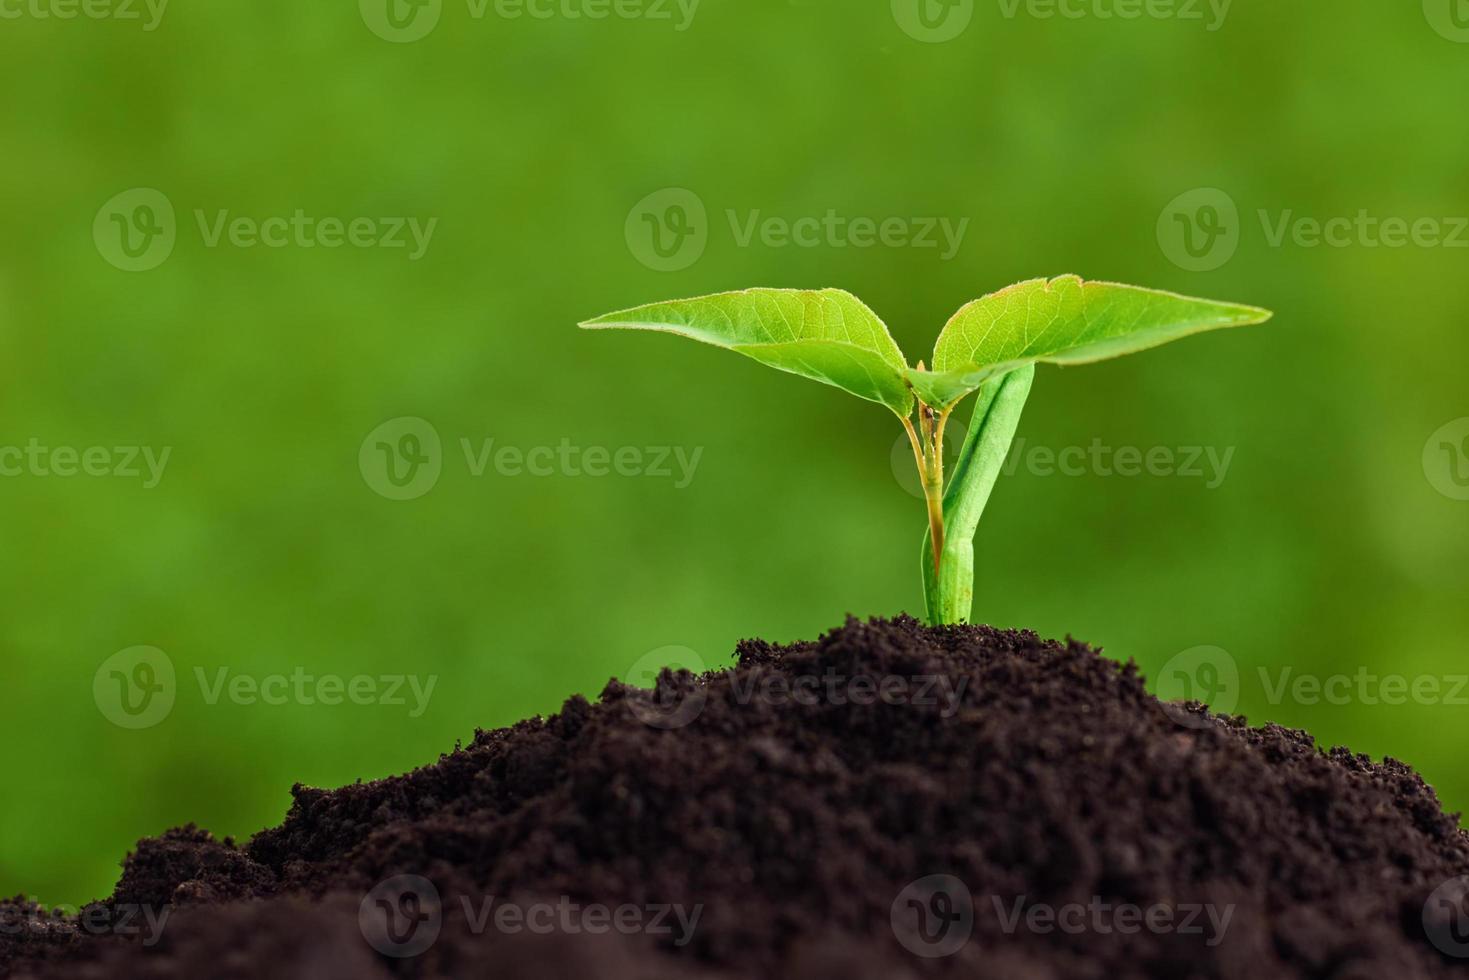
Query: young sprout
991	346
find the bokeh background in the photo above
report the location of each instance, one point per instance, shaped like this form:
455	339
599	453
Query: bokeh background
545	148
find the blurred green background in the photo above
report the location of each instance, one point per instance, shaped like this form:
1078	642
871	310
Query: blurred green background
1336	542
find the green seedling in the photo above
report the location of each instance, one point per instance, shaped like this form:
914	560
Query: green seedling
991	346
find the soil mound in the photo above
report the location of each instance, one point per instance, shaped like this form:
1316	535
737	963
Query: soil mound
890	801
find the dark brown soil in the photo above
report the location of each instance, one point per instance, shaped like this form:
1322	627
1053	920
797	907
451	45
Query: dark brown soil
801	836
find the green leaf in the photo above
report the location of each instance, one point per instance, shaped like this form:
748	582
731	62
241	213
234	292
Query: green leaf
1062	321
827	335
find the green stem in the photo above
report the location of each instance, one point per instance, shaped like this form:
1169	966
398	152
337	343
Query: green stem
948	584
